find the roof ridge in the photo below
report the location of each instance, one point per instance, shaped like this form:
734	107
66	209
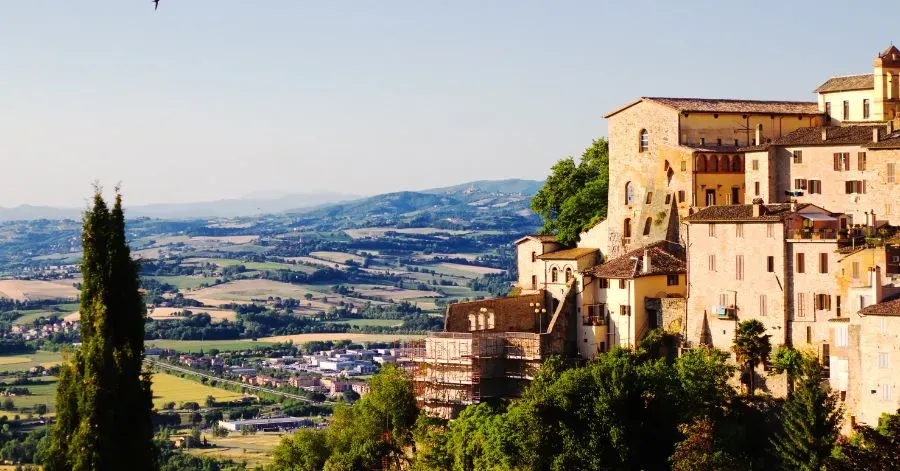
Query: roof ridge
727	99
849	75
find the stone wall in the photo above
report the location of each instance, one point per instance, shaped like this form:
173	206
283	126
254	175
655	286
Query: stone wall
512	314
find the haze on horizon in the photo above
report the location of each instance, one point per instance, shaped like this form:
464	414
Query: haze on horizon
211	99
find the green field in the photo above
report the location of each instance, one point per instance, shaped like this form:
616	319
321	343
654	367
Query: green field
25	361
197	345
68	307
369	322
29	316
255	449
183	282
43	392
169	388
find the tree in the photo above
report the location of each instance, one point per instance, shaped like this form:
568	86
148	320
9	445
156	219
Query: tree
699	451
811	420
104	401
210	401
8	404
306	450
873	449
575	195
752	347
790	362
40	409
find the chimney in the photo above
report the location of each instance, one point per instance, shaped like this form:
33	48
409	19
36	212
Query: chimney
646	261
874	134
873	218
875	284
824	133
757	207
793	205
758	137
890	126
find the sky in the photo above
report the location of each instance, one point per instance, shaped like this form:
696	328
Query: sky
210	99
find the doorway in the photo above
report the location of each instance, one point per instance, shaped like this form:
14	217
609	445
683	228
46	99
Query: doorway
710	197
735	195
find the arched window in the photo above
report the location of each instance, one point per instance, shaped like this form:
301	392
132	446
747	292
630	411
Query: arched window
724	163
472	324
701	163
669	175
554	275
533	257
737	164
481	321
568	274
490	320
647	224
629	193
626	230
713	164
645	140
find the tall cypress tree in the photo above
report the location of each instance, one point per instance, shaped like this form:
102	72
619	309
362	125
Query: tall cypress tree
103	397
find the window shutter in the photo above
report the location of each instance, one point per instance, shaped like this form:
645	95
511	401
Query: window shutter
837	162
863	186
846	157
828	302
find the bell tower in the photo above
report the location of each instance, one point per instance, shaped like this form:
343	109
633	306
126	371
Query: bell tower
886	73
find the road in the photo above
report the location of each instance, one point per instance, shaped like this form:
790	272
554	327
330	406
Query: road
248	387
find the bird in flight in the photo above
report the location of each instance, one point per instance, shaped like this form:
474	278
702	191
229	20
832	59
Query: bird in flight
155	4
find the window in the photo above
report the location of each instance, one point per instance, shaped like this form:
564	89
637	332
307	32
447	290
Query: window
882	326
622	284
756	188
681	196
736	143
712	230
554	275
855	186
629	193
739	267
755	164
723	299
702	141
841	336
739	230
604	283
841	161
647	225
861	161
668	198
770	264
490	320
855	270
828	111
799	184
472	324
837	305
533	257
568	274
737	164
883	360
533	281
624	309
626	229
719	142
671	280
801	263
865	108
886	392
823	263
712	262
822	302
649	197
846	110
684	165
798	156
801	304
815	186
770	230
762	305
890	173
645	141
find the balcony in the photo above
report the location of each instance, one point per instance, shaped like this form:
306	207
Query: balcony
594	320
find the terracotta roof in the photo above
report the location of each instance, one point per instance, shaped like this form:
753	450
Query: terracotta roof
834	135
727	105
848	82
888	141
756	148
662	262
889	307
742	212
538	237
568	254
726	149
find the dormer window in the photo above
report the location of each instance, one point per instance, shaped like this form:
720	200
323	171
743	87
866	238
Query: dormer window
645	141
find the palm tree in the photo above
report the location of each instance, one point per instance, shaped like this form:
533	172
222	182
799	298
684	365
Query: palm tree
752	347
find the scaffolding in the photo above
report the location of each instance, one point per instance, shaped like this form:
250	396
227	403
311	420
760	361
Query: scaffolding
451	370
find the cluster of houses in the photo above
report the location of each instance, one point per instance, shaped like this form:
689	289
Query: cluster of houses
44	331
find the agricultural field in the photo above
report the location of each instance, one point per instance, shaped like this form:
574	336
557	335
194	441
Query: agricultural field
298	339
42	392
183	282
170	388
338	257
255	449
376	232
26	361
35	290
393	293
369	322
170	313
29	316
477	270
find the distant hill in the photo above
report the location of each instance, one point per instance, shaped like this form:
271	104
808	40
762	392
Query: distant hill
482	204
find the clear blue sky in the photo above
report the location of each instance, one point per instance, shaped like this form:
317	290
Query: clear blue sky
206	99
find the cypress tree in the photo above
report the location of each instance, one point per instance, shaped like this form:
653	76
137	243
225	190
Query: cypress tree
103	397
811	420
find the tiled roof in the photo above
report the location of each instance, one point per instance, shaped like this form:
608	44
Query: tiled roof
742	212
848	82
568	254
662	262
889	307
888	141
726	105
538	237
834	135
726	149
